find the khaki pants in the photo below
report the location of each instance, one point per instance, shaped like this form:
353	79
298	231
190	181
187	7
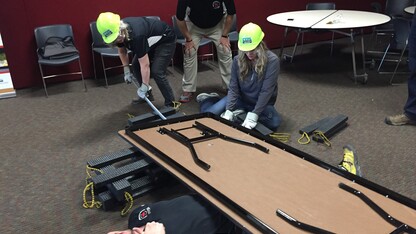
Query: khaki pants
190	62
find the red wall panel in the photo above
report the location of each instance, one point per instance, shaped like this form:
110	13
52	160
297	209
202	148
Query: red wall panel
18	18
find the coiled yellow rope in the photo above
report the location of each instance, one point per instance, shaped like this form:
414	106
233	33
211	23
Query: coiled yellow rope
129	203
323	137
304	136
280	136
176	105
90	187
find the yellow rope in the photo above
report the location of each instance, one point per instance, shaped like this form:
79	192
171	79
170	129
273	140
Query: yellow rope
90	187
92	203
306	136
280	136
130	115
176	105
129	203
88	169
323	137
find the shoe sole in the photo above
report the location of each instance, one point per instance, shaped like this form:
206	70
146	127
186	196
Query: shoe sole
394	124
208	95
185	99
356	161
389	122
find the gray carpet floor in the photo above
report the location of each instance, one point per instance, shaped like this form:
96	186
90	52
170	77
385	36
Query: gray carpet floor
46	142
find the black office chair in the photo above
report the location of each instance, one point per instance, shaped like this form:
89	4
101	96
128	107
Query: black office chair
180	39
99	47
233	36
58	30
394	9
397	47
301	32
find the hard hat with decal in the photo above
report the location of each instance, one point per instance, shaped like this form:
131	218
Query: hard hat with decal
108	25
250	37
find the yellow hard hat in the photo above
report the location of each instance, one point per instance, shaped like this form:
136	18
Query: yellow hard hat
108	25
250	37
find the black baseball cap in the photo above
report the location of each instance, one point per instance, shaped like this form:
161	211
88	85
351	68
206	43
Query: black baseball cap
144	214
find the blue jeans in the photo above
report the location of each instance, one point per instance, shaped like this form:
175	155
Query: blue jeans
410	106
160	57
269	117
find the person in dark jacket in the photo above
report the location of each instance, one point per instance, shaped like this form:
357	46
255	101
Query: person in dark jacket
184	214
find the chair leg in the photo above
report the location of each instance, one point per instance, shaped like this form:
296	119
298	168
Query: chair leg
294	49
105	74
398	62
301	45
43	80
93	64
82	75
332	44
384	56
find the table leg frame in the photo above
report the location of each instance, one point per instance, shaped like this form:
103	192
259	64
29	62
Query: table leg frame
351	35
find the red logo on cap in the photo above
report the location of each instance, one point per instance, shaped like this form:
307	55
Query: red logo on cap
216	4
144	213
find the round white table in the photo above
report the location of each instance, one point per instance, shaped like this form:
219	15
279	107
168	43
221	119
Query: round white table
333	20
410	9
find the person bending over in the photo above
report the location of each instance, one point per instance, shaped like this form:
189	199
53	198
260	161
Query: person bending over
148	40
253	85
210	19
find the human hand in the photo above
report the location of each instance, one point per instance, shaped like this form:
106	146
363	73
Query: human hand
228	115
128	77
142	91
225	42
150	228
189	45
251	120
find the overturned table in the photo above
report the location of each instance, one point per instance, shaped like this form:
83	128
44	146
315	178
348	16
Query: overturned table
265	186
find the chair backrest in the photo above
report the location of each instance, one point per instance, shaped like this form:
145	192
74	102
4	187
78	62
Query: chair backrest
234	25
148	17
396	7
58	30
320	6
153	17
176	28
97	39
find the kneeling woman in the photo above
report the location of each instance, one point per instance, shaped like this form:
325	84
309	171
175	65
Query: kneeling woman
253	86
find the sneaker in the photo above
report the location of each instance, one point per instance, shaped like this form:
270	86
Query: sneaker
202	96
398	120
140	101
186	97
350	161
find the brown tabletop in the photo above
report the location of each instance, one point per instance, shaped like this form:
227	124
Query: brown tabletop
262	182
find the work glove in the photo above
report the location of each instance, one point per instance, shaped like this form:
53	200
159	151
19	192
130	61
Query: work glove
251	120
142	91
128	77
228	115
238	112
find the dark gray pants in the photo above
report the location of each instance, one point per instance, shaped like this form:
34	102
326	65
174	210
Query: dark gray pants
160	57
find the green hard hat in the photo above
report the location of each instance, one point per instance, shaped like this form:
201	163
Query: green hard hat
250	37
108	25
